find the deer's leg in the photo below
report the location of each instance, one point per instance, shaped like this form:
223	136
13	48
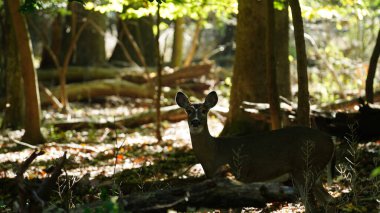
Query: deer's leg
323	196
304	185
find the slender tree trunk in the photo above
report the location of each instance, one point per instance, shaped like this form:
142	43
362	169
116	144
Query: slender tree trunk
273	97
32	99
90	48
178	42
159	80
15	102
303	109
55	44
372	70
133	43
281	51
76	32
194	44
249	74
142	32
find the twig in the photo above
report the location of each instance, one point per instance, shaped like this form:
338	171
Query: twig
22	188
23	143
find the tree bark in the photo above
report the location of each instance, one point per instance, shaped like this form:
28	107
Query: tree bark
274	101
303	110
178	41
281	42
249	74
158	78
372	70
32	99
15	101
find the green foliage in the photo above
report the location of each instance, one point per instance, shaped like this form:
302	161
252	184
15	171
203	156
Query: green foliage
279	4
158	1
31	6
375	172
169	9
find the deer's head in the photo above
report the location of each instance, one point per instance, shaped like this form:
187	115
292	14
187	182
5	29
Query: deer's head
197	112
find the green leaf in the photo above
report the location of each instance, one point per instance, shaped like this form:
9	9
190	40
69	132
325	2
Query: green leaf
375	172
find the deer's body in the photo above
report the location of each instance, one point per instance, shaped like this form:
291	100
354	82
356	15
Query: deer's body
300	152
263	156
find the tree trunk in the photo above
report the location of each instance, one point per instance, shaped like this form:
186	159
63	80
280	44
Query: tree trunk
249	74
15	103
3	42
178	42
372	70
194	44
281	52
90	48
274	101
47	61
32	99
142	32
159	78
303	116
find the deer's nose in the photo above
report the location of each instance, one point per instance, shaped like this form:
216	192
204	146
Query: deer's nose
195	122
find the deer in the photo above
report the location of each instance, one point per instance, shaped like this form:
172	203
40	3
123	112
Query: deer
300	152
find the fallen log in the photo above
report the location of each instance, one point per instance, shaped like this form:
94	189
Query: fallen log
175	78
190	72
343	105
212	193
131	74
114	87
171	114
101	88
80	74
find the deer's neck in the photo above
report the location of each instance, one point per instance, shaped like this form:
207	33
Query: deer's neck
204	148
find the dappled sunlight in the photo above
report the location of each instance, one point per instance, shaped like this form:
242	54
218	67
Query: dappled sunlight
92	152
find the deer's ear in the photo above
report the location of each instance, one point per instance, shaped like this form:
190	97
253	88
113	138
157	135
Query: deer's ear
182	100
211	100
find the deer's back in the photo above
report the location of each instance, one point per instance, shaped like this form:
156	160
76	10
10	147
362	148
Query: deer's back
271	154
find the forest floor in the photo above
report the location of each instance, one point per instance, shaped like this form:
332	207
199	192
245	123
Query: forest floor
108	161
